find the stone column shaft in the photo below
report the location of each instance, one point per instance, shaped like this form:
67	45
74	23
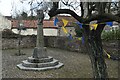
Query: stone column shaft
40	36
39	50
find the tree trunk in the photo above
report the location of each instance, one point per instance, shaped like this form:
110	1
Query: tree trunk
95	50
93	40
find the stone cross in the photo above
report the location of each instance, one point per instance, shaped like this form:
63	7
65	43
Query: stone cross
40	60
39	50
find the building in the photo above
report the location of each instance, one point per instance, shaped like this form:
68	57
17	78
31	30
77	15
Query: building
111	28
70	26
4	23
48	26
31	27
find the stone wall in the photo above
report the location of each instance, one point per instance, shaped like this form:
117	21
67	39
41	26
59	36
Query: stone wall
12	43
64	43
53	42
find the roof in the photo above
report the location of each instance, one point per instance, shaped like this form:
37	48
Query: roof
33	24
69	18
46	23
8	17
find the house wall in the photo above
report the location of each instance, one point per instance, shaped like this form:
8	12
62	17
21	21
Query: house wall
26	32
50	32
69	29
47	32
115	26
109	28
4	23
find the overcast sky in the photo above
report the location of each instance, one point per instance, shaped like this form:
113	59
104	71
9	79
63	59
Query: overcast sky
6	6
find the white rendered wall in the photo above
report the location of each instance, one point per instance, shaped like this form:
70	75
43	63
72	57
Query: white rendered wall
4	23
47	32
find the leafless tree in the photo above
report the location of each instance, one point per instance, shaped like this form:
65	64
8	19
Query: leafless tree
91	11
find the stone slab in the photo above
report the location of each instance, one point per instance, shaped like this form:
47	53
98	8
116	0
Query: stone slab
42	60
40	65
20	66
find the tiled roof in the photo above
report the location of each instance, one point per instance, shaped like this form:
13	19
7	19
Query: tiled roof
69	18
46	23
33	24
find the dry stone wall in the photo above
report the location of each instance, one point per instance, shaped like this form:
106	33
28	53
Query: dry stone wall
53	42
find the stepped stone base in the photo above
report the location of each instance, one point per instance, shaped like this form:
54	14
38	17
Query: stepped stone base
40	64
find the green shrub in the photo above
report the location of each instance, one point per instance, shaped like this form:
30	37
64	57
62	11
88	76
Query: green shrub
111	35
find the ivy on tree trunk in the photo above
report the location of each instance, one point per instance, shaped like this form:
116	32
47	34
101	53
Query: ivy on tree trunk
94	48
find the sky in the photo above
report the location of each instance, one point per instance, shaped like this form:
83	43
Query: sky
7	6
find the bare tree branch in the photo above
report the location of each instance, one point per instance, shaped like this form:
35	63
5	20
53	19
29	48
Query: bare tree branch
105	16
66	11
68	4
82	10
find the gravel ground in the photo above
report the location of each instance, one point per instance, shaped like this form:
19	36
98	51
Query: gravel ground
76	65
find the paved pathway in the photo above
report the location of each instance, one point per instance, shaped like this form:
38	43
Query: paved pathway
76	65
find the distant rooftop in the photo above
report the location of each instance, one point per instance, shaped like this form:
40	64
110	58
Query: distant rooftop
69	18
33	24
8	17
46	23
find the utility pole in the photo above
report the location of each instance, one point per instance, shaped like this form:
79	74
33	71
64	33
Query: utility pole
19	36
20	28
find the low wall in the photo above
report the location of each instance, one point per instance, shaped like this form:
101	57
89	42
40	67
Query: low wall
12	43
54	42
64	43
